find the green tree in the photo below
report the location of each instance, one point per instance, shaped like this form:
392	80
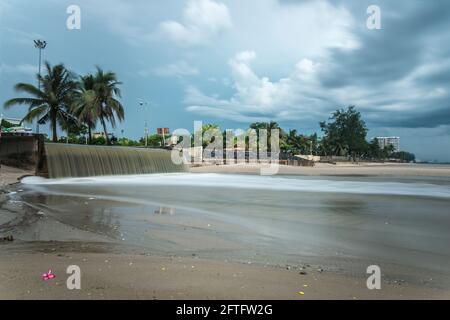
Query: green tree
269	126
98	141
404	156
301	144
345	133
107	105
293	141
52	102
85	104
154	140
387	151
206	127
373	149
128	142
74	129
6	124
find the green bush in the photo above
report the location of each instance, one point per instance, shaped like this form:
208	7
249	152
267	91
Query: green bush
6	124
98	141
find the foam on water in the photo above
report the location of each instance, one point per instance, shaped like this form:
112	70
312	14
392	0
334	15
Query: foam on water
254	182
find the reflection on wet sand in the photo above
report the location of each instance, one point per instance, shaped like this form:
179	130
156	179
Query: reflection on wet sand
165	210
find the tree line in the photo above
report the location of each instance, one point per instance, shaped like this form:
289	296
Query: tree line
344	134
74	103
77	104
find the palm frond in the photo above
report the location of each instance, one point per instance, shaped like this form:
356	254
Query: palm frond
20	101
36	113
30	89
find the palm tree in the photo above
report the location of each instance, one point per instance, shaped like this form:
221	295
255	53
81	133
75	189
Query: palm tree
269	126
51	103
85	104
294	141
107	106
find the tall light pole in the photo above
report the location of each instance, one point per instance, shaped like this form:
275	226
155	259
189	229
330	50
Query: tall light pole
40	44
144	106
146	133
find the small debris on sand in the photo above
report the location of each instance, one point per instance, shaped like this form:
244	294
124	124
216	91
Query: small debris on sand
7	238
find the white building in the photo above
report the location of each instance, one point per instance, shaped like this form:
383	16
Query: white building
383	142
14	121
17	127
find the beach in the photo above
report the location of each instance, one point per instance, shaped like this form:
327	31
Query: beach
10	175
129	248
111	275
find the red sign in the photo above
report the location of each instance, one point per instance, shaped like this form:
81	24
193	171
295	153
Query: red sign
162	130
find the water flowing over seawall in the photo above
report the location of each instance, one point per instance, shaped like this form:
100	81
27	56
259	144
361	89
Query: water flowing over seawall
65	160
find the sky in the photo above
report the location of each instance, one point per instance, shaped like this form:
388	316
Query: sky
233	62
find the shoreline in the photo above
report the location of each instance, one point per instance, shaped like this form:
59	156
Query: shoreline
340	169
114	271
11	175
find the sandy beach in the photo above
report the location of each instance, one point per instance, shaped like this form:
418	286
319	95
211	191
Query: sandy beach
114	270
10	175
107	274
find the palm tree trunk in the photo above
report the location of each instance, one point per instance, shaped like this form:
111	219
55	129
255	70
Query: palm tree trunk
53	119
89	133
102	119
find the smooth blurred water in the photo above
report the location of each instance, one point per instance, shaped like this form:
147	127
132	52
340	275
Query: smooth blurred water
404	222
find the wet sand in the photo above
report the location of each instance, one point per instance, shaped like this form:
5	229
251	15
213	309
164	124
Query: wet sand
108	274
10	175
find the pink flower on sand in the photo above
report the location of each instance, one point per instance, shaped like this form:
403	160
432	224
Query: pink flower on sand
49	275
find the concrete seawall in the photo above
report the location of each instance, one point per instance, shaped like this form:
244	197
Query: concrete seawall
25	152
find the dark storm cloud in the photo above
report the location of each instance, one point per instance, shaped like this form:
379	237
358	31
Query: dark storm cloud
424	118
413	36
393	52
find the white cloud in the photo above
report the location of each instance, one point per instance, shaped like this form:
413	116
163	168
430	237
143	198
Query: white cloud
202	20
177	69
23	37
132	22
283	32
270	28
5	6
144	22
301	95
259	98
24	68
245	56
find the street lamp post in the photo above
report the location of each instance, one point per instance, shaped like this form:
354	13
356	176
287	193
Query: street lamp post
146	133
144	105
40	44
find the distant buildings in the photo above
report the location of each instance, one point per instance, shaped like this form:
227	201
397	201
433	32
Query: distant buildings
383	142
13	121
13	126
173	140
101	134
